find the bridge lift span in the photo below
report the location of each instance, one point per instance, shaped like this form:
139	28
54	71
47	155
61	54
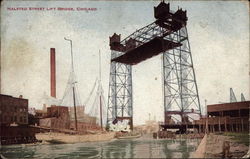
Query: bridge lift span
167	35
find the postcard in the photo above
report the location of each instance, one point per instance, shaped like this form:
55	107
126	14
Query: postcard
124	79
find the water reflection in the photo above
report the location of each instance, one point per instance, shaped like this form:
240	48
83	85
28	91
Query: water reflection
137	148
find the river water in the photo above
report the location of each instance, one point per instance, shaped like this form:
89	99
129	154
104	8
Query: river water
133	148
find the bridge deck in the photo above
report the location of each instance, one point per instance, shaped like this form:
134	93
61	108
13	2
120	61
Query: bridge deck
145	51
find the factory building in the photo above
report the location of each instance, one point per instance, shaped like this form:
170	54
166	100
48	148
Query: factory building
13	110
233	117
14	121
57	118
236	109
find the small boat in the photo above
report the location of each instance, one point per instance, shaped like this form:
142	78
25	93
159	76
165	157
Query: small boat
53	141
129	136
61	138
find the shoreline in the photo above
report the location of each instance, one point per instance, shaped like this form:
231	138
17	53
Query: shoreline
211	146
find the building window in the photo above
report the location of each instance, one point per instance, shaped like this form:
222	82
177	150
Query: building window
21	119
24	119
15	118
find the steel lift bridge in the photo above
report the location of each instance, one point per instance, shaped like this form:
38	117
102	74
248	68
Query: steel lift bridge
167	35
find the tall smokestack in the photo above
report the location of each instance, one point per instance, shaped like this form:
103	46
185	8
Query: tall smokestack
52	72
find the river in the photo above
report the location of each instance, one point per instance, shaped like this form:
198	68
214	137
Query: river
133	148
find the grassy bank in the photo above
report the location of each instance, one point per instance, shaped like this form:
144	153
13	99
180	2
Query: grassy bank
242	138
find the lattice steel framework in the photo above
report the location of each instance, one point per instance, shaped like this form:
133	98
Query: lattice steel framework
120	90
180	87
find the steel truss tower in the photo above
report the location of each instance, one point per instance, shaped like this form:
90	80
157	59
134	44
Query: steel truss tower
167	35
180	87
120	91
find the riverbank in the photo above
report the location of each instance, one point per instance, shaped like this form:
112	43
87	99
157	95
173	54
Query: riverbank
53	137
215	145
211	146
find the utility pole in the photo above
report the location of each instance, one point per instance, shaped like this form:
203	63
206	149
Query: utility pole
100	90
73	83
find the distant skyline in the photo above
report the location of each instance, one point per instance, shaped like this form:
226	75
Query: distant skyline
218	34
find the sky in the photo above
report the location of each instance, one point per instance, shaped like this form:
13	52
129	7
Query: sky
218	35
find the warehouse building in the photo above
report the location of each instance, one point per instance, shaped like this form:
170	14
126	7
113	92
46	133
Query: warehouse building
14	121
13	110
233	117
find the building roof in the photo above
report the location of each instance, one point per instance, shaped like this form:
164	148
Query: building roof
228	106
5	95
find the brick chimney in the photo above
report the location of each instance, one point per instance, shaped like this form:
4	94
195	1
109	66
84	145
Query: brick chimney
52	72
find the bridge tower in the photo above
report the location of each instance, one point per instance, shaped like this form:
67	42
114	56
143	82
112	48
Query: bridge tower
179	82
120	85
